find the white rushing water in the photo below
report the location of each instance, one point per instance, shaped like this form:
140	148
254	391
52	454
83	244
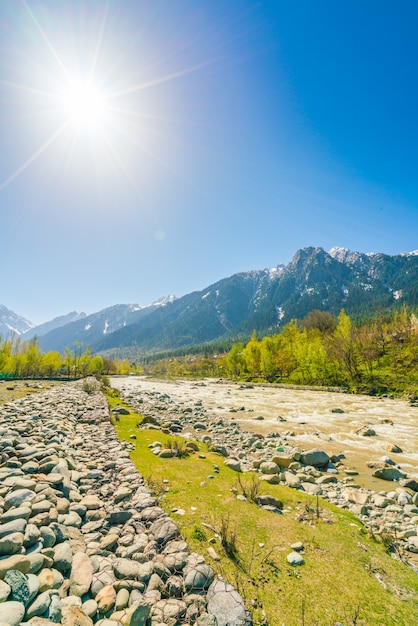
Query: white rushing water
307	417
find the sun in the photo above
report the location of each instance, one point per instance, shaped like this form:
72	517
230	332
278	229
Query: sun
84	104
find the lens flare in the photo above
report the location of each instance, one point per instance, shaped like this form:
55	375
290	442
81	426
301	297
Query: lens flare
84	104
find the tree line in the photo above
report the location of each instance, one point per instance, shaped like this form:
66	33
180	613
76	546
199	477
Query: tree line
24	359
376	356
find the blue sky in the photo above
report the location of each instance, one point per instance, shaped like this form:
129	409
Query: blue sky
154	147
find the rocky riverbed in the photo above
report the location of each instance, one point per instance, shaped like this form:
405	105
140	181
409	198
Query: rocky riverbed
82	539
390	511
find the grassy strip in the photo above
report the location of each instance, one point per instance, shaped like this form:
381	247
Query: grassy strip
347	576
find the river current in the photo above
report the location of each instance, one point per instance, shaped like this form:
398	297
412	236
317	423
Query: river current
307	418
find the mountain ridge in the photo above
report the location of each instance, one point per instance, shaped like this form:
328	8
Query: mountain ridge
261	300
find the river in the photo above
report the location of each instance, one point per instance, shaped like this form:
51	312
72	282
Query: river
307	418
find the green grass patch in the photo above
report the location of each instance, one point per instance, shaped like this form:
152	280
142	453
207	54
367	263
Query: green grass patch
347	575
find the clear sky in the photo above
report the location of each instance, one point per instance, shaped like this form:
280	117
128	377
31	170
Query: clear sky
151	147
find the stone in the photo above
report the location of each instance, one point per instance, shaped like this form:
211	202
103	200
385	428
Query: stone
18	497
388	473
164	530
233	464
168	610
199	578
17	561
89	607
10	544
14	526
226	605
11	613
315	457
106	599
31	536
63	556
268	467
74	616
5	591
33	584
294	558
136	615
19	586
81	574
122	598
40	604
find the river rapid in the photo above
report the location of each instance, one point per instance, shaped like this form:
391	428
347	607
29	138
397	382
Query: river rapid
307	418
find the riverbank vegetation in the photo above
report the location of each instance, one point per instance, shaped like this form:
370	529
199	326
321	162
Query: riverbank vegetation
347	577
378	356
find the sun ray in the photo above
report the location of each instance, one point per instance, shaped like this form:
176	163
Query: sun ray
34	156
98	46
46	40
118	160
27	88
158	81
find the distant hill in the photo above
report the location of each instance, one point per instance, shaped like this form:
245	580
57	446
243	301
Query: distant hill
13	324
57	322
261	300
92	328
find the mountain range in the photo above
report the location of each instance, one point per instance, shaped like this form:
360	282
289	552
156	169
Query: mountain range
261	300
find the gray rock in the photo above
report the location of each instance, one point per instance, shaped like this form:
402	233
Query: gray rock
19	585
294	558
199	578
14	526
388	473
5	591
225	603
11	544
315	457
11	613
40	605
63	556
18	497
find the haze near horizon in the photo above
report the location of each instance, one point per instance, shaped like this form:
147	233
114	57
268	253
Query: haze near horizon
155	147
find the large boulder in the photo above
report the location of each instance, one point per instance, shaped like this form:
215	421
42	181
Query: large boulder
388	473
315	457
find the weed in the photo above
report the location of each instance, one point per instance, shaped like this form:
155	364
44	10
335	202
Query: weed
178	447
90	387
198	534
229	539
250	489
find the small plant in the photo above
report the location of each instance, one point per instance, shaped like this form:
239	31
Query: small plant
89	387
178	447
229	539
198	534
250	489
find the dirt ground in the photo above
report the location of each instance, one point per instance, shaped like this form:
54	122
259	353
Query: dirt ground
13	389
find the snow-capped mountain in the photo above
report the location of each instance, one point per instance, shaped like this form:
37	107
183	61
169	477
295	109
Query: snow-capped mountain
261	300
13	324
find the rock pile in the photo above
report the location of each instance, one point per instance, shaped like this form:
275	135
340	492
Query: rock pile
393	512
82	539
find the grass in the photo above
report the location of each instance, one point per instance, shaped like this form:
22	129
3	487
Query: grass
347	576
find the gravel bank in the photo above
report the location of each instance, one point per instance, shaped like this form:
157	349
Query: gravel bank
82	540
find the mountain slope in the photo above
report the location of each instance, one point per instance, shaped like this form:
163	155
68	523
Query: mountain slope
12	324
266	300
261	300
90	329
57	322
